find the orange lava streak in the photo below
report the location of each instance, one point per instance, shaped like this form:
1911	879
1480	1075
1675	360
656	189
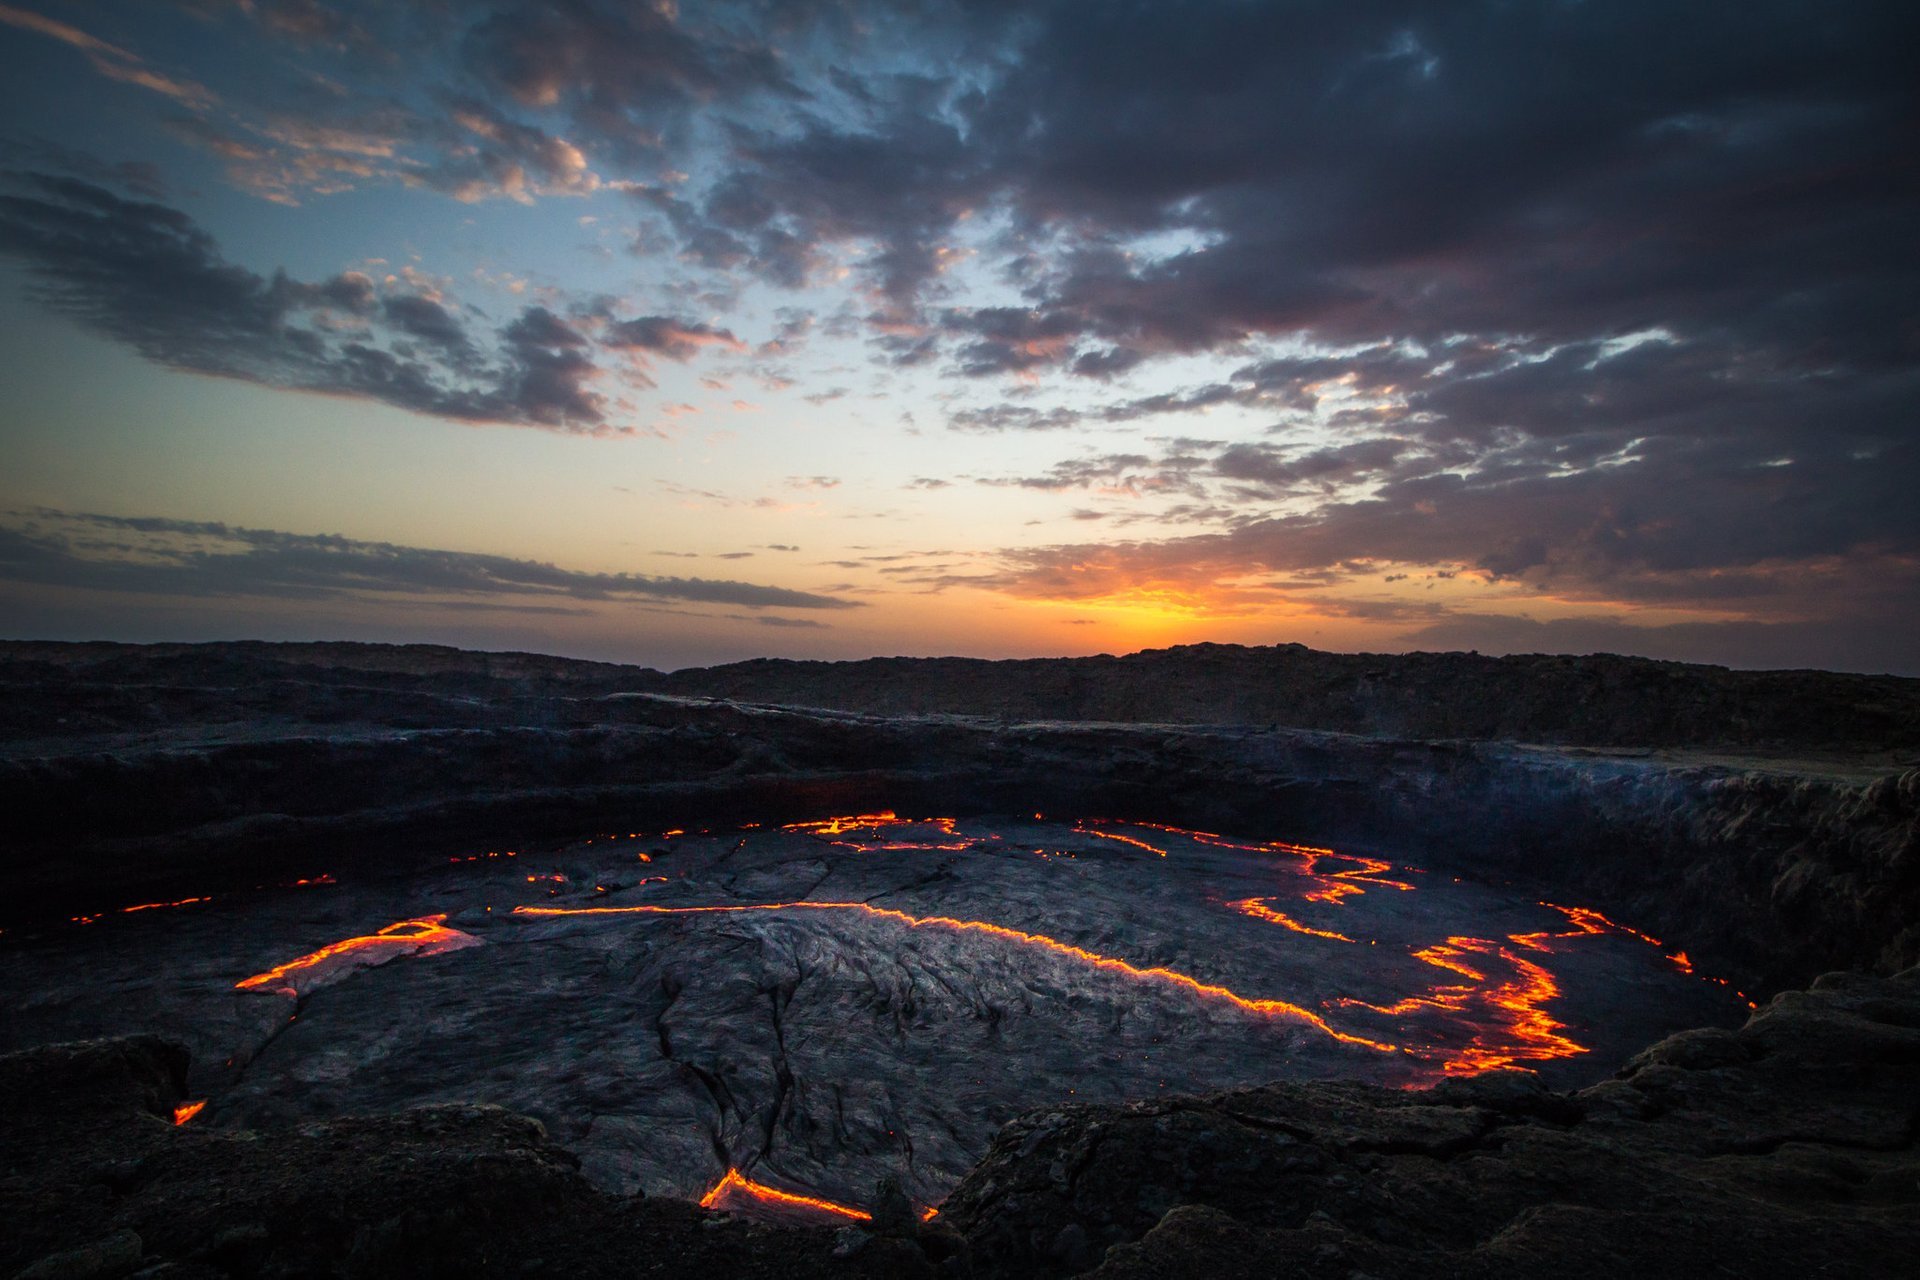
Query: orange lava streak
847	824
1586	918
1108	835
737	1183
158	906
188	1110
427	935
1335	884
1523	1030
1270	1008
1259	910
1342	884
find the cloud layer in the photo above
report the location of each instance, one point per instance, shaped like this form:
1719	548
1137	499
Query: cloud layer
1608	306
204	559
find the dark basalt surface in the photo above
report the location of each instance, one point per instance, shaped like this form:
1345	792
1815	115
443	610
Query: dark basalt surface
1786	1148
96	1181
1768	823
821	1009
1600	700
142	775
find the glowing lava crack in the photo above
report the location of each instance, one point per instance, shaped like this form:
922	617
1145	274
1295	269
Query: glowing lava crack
1173	977
425	935
833	1109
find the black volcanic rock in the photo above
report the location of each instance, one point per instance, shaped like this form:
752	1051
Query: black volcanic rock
1768	823
1786	1148
1599	700
94	1172
149	773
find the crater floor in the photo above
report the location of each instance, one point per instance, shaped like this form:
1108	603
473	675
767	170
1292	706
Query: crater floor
773	1018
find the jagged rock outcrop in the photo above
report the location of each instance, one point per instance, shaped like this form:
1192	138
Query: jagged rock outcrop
96	1181
1786	1148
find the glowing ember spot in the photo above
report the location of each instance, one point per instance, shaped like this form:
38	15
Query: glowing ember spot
160	906
188	1110
849	822
1259	910
427	935
875	823
1110	964
1680	958
736	1187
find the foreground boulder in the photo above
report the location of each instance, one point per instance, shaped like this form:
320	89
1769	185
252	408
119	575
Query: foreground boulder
97	1181
1786	1148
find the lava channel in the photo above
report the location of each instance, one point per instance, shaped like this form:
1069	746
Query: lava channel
737	1193
423	936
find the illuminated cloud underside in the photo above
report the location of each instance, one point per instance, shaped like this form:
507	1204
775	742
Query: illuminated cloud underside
1052	329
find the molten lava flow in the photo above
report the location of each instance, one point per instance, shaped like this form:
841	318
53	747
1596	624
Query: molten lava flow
1085	830
1591	921
1333	886
730	1191
1587	920
1110	964
1259	910
427	935
161	906
1510	1025
188	1110
1341	884
886	819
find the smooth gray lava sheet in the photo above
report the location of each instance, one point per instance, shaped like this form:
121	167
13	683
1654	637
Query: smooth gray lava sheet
823	1004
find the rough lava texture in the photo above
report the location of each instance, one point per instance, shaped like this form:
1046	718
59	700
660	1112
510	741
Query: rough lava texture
160	772
1768	823
1599	700
96	1181
1786	1148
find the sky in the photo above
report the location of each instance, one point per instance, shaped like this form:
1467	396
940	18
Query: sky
684	333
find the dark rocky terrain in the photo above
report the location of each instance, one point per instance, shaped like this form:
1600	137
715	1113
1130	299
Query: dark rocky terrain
1766	823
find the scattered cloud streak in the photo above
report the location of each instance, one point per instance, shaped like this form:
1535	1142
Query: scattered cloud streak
150	555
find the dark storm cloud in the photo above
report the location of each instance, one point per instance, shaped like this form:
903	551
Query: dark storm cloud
146	275
197	559
1614	300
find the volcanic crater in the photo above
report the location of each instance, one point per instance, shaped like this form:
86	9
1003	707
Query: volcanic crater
804	966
